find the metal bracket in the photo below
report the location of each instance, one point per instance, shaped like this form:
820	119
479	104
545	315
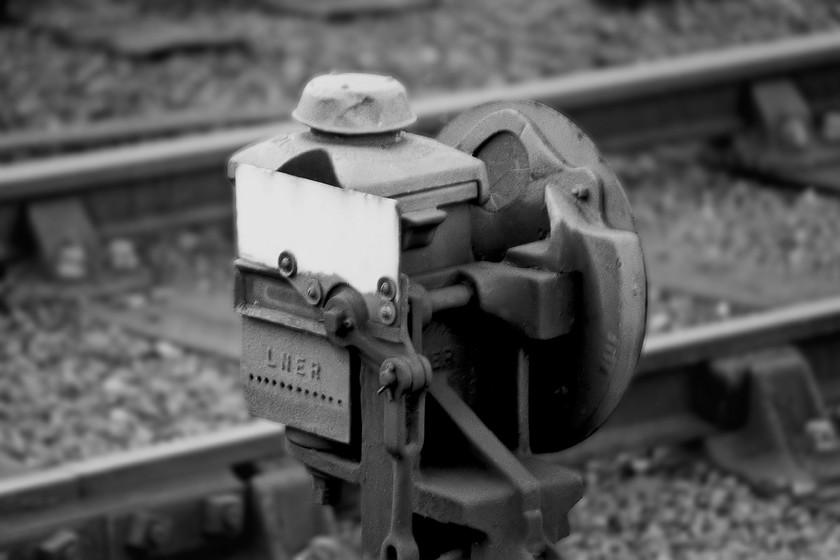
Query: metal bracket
790	143
780	433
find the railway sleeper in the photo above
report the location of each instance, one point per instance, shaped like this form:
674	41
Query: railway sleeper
791	142
776	429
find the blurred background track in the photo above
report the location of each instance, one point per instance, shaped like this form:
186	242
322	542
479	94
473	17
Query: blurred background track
244	56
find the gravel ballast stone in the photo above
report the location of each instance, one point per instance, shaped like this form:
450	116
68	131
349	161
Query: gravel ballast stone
667	504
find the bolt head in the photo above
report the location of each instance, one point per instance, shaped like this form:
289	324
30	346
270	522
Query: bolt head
313	292
287	264
388	312
387	288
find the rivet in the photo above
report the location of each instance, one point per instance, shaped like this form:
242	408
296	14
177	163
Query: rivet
313	292
287	264
387	288
388	312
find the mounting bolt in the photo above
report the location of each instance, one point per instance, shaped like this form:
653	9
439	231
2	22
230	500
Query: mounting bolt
287	264
149	533
313	292
387	288
337	322
63	545
388	312
581	192
224	515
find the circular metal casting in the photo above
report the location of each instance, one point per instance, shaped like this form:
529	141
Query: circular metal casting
552	191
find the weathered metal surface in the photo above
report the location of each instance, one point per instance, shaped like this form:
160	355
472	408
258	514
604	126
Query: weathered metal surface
538	303
572	271
401	166
296	378
354	104
554	205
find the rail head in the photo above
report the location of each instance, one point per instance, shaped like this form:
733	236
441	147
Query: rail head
787	325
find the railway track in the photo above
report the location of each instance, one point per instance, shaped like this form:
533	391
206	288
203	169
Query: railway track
135	189
695	97
100	506
691	385
688	97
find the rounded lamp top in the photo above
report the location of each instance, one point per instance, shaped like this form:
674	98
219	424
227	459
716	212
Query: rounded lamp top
354	104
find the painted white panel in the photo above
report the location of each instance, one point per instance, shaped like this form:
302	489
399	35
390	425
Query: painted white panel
329	230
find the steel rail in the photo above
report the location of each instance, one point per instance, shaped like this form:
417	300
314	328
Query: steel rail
576	94
53	487
695	96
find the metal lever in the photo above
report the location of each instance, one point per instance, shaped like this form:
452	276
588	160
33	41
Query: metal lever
500	459
403	373
403	440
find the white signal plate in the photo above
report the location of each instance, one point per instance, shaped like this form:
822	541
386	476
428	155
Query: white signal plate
329	230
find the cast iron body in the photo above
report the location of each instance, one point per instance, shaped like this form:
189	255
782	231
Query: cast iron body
519	311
